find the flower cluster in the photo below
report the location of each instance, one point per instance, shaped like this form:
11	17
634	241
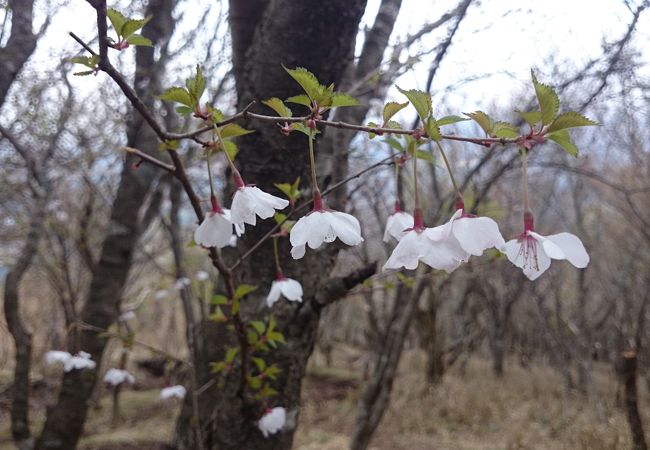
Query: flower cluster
70	362
272	421
115	377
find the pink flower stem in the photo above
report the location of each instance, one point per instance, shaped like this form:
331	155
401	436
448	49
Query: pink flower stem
418	219
524	168
415	183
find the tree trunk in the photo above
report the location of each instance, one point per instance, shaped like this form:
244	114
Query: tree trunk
629	374
64	422
266	35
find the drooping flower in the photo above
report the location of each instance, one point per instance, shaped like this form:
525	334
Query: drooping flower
181	283
202	275
533	252
291	289
272	421
322	225
161	294
215	230
397	224
432	246
177	391
115	377
473	234
250	201
126	316
77	362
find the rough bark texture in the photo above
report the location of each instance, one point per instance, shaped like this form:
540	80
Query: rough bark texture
629	375
65	420
318	36
20	45
22	337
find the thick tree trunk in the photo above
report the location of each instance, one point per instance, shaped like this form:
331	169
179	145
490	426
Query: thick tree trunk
629	375
65	420
266	35
20	45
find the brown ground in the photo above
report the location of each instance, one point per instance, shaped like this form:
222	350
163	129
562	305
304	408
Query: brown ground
527	409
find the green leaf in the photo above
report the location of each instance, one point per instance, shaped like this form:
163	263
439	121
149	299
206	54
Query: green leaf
233	130
260	363
549	102
448	120
505	130
394	125
254	382
302	128
562	138
243	290
530	117
284	187
425	156
251	337
275	336
219	300
259	326
306	80
392	108
420	100
372	135
88	61
272	371
218	315
231	148
131	26
184	110
279	218
137	39
278	106
394	143
178	95
570	119
117	19
301	99
217	367
483	120
231	353
342	99
196	85
433	130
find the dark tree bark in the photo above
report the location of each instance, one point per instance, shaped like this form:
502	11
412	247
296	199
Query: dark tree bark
266	35
19	47
629	375
65	420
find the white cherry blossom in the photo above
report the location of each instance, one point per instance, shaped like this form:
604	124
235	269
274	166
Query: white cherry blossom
323	225
202	275
473	234
289	288
396	225
272	421
215	230
161	294
533	252
181	283
115	377
177	391
250	201
77	362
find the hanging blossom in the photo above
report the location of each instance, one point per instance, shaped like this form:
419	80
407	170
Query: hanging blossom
323	225
250	201
216	228
202	275
272	421
397	224
428	245
116	377
473	234
290	288
533	252
177	391
79	361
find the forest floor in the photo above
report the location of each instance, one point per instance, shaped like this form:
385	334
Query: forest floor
526	409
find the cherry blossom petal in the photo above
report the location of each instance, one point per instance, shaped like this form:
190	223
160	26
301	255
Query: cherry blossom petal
292	290
116	377
408	251
446	254
298	251
346	227
396	224
528	255
274	294
250	201
57	356
177	391
477	234
551	249
272	421
214	231
572	248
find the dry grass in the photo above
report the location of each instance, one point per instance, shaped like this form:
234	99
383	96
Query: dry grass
527	409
